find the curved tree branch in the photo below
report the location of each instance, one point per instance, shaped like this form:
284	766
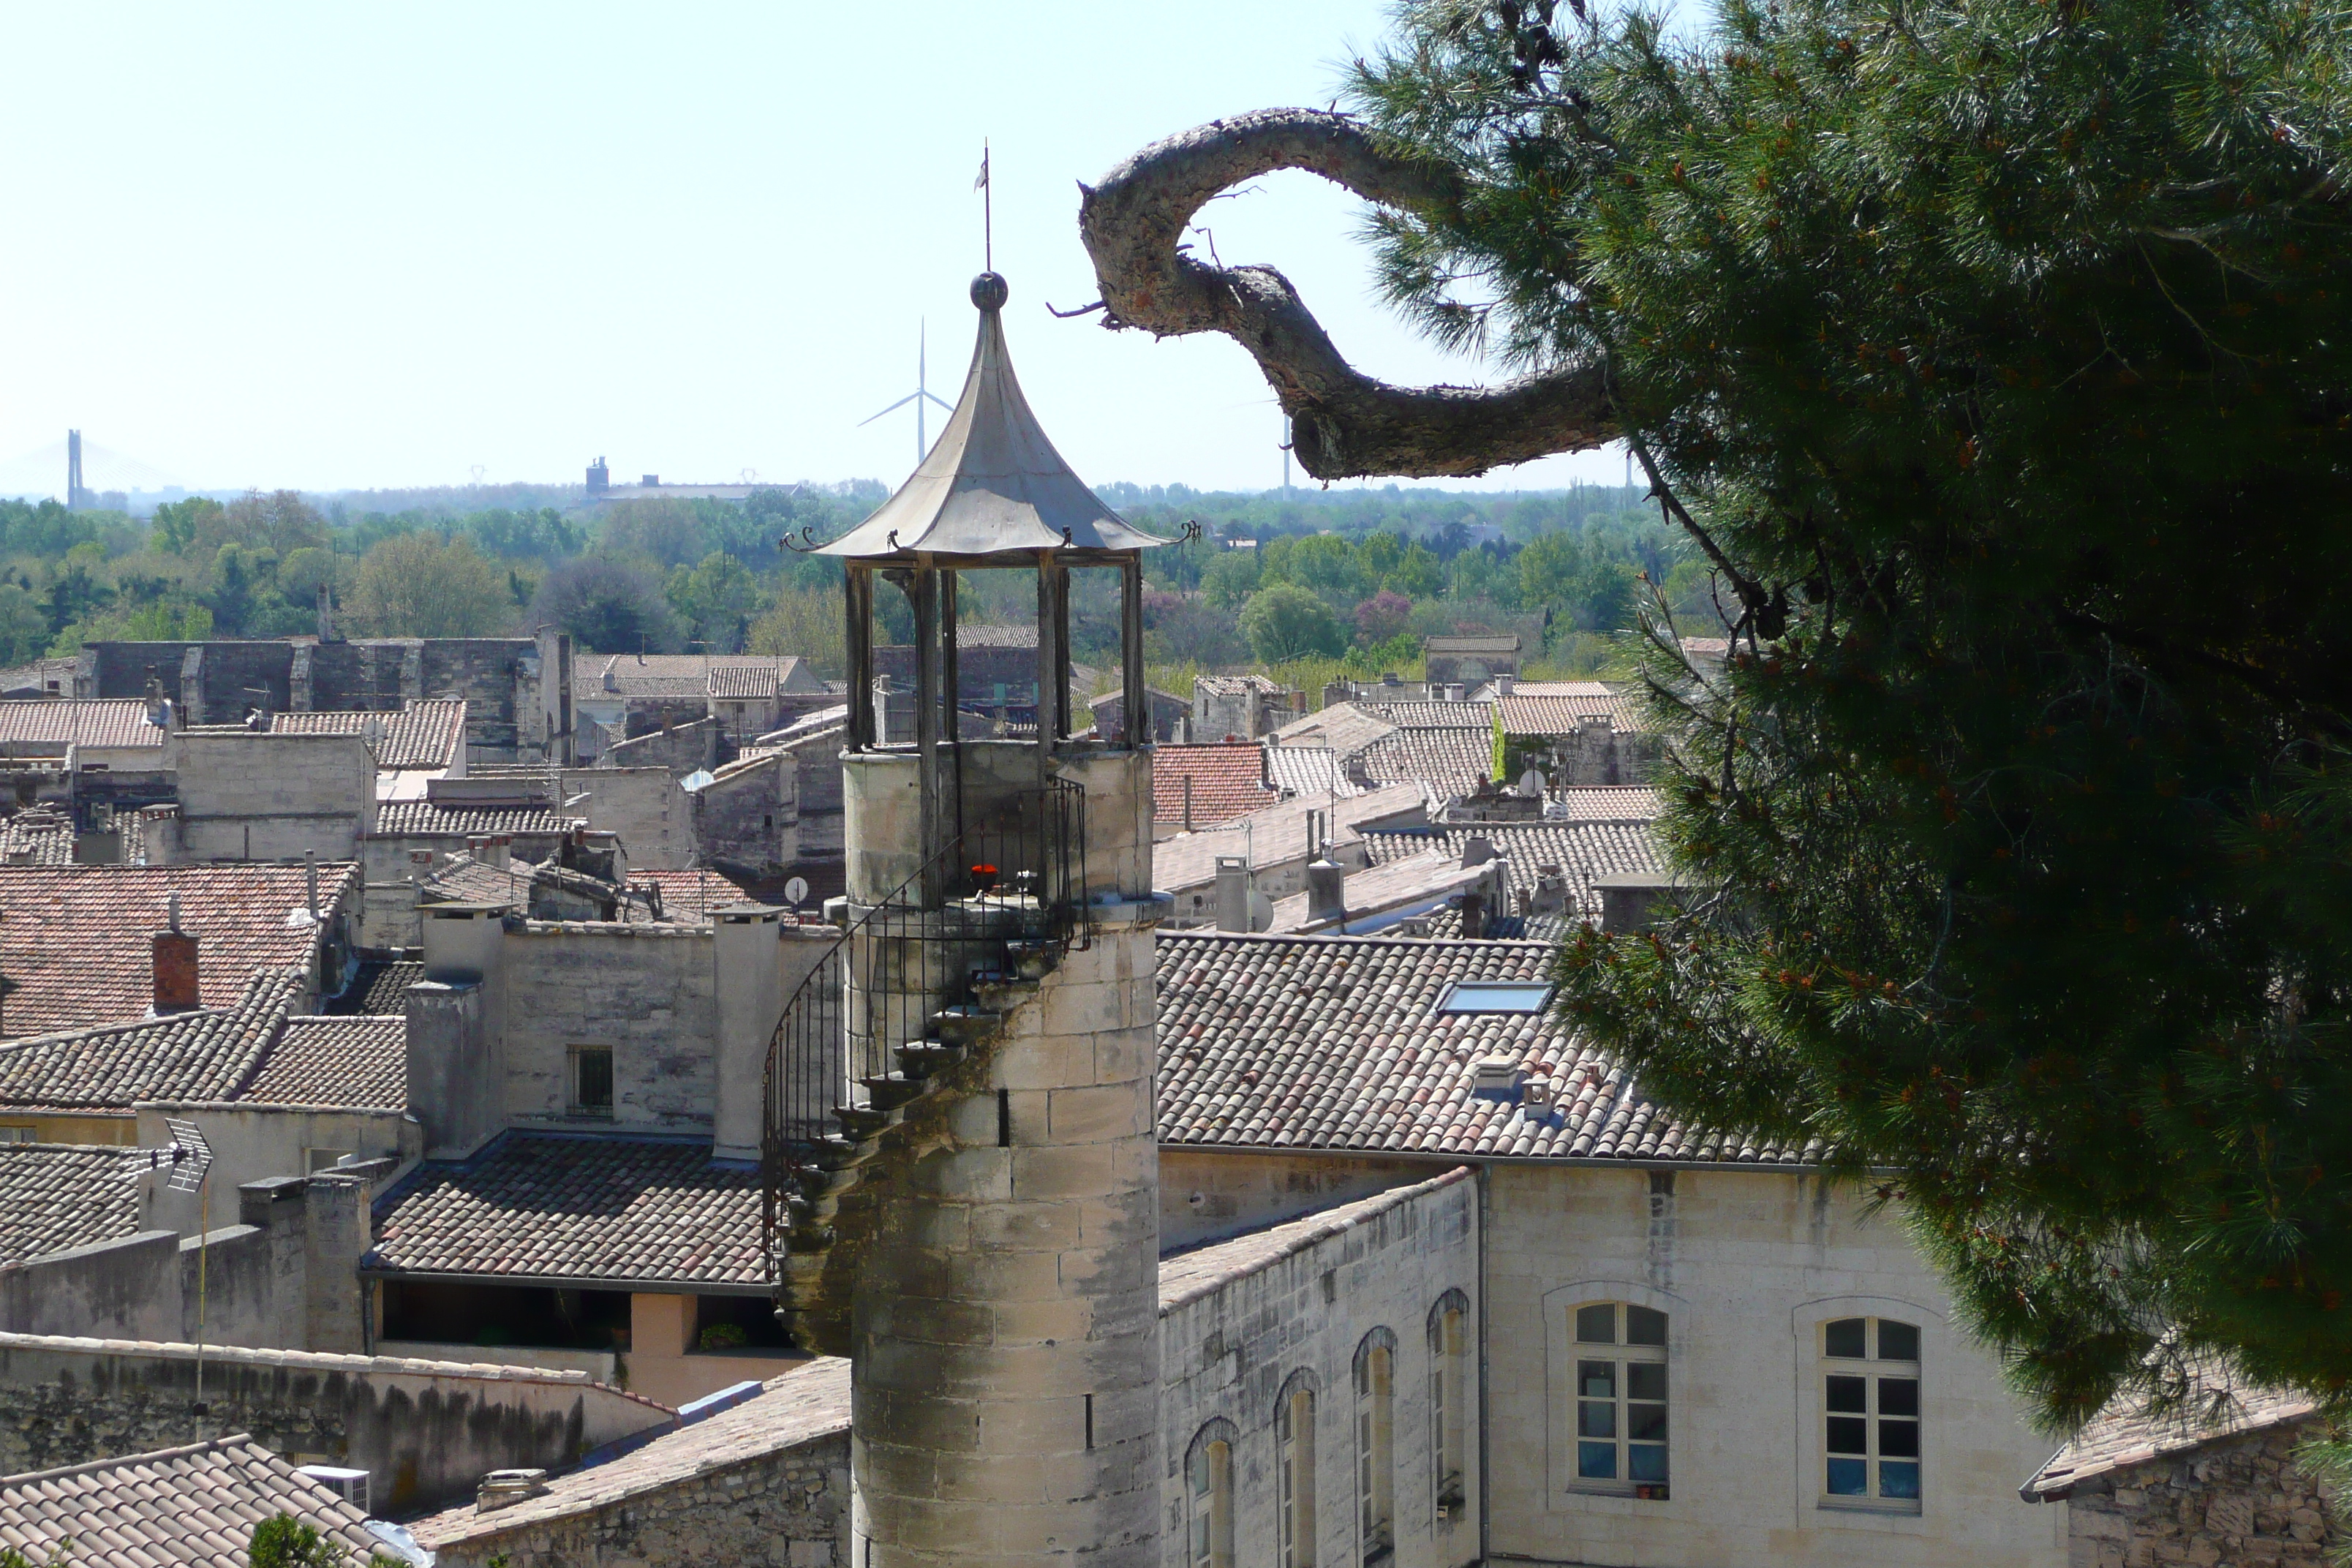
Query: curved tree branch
1343	422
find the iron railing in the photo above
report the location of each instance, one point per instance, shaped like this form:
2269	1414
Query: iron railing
882	1005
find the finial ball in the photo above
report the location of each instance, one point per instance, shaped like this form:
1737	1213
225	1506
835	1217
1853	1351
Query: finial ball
989	292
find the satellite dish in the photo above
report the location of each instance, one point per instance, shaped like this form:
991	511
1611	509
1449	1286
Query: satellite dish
1261	911
1531	782
796	891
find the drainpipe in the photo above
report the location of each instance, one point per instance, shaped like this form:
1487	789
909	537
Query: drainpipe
1485	1419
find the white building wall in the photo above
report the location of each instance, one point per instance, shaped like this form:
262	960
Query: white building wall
1229	1351
1747	1266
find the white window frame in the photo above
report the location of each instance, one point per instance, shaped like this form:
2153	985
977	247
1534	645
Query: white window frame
1294	1454
1884	1381
1613	1405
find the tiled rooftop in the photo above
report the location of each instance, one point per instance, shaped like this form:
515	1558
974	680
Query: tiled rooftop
795	1408
1539	716
201	1055
1385	886
1450	761
1582	850
423	819
556	1206
1335	1043
422	734
689	895
1309	770
110	722
351	1060
196	1505
380	988
1344	727
37	837
1271	836
2126	1433
1237	685
1603	802
80	949
680	675
1433	715
54	1196
1228	781
749	682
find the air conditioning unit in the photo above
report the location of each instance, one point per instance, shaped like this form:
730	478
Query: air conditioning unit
351	1486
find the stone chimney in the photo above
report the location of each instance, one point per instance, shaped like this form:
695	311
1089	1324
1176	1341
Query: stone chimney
177	973
1327	897
1233	893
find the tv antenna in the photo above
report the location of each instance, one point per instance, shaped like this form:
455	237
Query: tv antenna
922	391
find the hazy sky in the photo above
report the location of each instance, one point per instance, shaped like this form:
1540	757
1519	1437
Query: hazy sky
332	247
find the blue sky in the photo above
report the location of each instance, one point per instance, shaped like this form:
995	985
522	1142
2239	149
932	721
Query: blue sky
334	246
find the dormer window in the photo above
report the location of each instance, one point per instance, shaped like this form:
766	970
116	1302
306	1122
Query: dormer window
1495	997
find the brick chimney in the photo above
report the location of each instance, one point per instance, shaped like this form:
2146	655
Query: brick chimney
176	989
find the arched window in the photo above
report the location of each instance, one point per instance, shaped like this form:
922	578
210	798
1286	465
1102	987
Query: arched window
1294	1458
1621	1400
1870	1412
1209	1497
1448	1402
1376	1446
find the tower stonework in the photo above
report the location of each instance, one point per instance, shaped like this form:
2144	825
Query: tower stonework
1005	1355
958	1127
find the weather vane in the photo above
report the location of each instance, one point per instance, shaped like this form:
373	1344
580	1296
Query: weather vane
987	212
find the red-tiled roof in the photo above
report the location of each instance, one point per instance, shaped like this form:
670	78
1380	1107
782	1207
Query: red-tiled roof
1450	761
424	734
197	1506
1582	850
1432	715
1228	781
2128	1432
542	1206
199	1055
1297	1043
1565	715
78	941
80	721
1605	802
53	1197
350	1060
423	819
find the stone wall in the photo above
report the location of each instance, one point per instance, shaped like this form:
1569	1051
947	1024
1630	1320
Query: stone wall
680	746
745	821
2236	1500
646	991
1208	1193
425	1431
248	796
643	806
786	1509
1299	1315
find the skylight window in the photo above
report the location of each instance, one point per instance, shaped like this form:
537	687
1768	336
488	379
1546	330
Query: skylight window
1495	997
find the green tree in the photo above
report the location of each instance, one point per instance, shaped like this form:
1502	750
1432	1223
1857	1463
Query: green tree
607	605
178	523
417	586
24	629
1286	622
716	600
1418	574
1995	358
1231	578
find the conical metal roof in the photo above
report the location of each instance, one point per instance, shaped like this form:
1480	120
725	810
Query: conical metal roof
992	481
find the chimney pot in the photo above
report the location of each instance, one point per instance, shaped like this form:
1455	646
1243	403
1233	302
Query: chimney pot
176	974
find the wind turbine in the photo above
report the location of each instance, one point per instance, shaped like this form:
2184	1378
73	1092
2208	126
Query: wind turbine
922	389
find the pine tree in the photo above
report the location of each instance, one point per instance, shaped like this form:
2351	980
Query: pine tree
1995	356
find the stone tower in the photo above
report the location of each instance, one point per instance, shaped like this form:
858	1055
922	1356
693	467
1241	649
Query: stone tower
980	1234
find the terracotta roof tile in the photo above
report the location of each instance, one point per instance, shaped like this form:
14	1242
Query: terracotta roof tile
424	819
1335	1043
1449	760
1528	715
80	946
1433	715
1228	781
349	1060
379	990
1237	685
1603	802
556	1207
1309	770
424	734
196	1505
54	1196
85	722
37	837
1272	835
200	1055
1582	850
